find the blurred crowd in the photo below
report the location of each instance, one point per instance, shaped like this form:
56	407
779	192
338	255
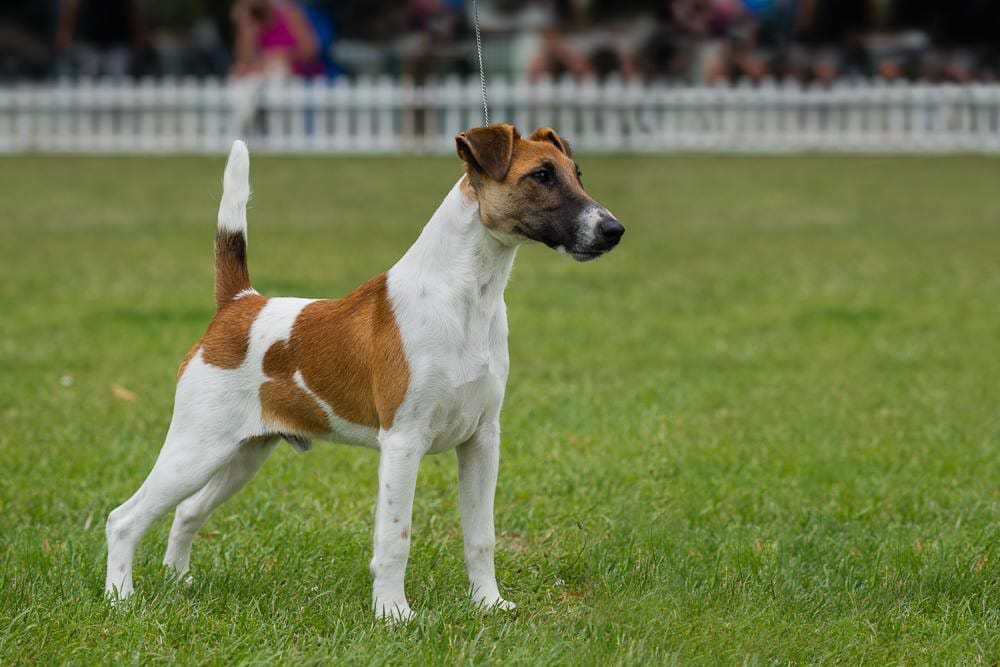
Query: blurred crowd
694	41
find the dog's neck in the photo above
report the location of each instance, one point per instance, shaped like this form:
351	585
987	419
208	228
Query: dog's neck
456	254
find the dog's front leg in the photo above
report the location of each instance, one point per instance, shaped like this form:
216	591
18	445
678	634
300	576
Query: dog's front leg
478	461
397	479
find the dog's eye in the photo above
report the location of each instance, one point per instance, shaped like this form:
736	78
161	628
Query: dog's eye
543	176
579	173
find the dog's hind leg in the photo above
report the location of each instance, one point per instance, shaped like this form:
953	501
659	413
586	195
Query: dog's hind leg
185	464
193	512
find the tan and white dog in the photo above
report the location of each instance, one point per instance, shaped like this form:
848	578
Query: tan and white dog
412	362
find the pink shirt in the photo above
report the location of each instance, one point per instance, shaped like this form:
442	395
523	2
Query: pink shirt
277	35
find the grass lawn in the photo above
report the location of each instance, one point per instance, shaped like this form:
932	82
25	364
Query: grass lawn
766	429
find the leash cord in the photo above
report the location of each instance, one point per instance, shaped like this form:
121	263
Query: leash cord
482	72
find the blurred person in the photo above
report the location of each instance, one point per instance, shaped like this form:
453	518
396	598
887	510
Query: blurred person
556	55
830	39
593	38
715	22
321	19
430	47
745	54
770	25
438	17
185	38
965	42
917	39
274	38
615	35
900	37
24	39
522	38
673	48
101	38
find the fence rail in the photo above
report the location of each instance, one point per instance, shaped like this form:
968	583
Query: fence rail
385	115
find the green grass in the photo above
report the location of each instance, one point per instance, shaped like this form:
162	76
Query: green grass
766	429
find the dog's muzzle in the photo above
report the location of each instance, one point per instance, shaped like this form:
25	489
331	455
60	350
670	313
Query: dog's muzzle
600	232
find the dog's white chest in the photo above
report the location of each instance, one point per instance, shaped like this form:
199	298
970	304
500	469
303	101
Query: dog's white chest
447	298
459	367
462	408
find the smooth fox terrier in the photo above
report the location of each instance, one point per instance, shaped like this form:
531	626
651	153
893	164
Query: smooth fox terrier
412	362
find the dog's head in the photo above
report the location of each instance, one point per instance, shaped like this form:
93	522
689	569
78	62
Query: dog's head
530	190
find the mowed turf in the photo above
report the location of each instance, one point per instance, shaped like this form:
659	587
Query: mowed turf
765	429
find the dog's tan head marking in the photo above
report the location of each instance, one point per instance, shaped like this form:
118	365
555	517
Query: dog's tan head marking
549	135
530	190
490	149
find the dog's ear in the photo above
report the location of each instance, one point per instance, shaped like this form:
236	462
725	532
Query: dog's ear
549	135
488	149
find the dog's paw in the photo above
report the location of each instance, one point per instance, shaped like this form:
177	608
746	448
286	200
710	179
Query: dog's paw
393	611
118	598
495	603
185	580
180	577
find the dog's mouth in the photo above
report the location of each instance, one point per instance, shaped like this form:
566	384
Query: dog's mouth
591	252
587	256
582	254
579	252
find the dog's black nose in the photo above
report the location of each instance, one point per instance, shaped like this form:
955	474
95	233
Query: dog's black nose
610	229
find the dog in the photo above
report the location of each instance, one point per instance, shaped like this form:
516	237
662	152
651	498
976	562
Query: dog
412	362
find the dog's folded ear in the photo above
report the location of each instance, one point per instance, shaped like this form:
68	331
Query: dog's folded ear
549	135
488	149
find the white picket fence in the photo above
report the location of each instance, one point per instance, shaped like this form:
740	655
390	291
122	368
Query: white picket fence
390	116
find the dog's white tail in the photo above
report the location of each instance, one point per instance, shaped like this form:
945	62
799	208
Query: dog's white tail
231	273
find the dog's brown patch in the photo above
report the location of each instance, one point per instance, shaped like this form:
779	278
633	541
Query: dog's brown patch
284	405
227	339
350	354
